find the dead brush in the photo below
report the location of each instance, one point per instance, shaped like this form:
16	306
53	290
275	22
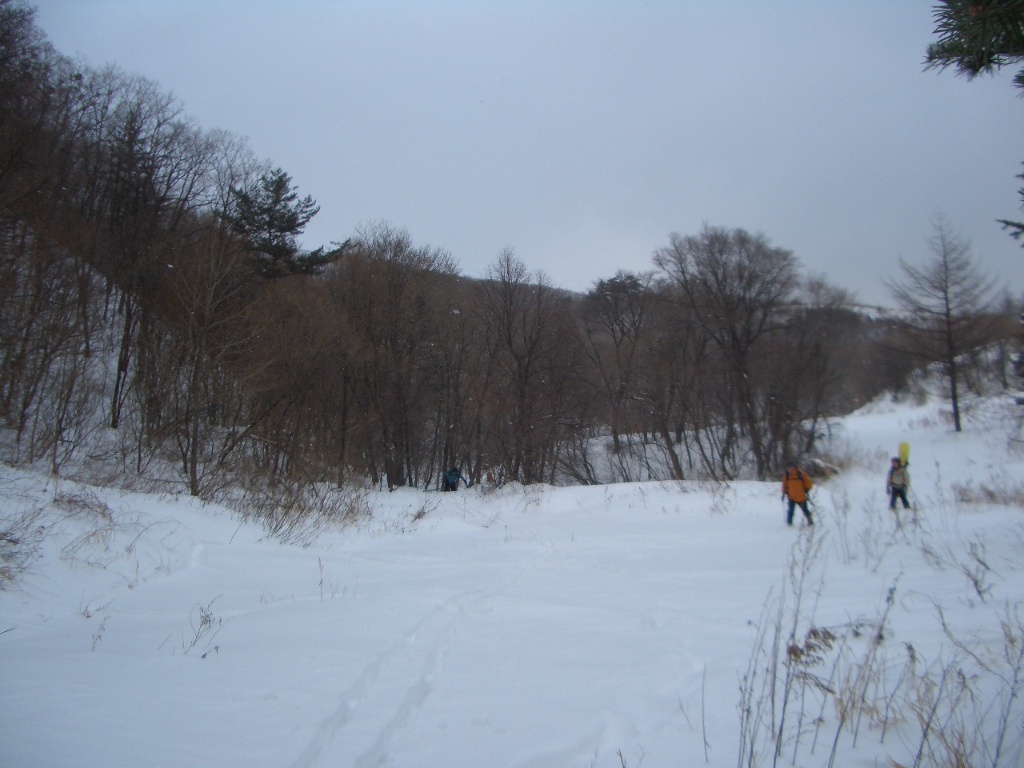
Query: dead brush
83	503
21	538
817	642
297	513
995	491
981	728
789	689
204	626
972	562
100	525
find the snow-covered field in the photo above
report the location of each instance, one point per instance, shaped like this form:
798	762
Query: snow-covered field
611	626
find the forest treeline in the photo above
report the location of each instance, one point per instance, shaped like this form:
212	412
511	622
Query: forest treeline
155	305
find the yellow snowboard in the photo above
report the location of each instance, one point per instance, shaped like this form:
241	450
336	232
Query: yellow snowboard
904	454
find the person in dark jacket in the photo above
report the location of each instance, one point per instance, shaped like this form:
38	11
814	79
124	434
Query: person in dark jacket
897	483
450	481
795	485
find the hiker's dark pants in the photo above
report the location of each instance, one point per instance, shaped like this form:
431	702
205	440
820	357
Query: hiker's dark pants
792	505
898	493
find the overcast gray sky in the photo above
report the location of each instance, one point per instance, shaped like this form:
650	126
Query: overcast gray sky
581	134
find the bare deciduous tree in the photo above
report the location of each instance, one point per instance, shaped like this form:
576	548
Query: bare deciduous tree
531	338
395	307
614	315
739	288
947	303
207	304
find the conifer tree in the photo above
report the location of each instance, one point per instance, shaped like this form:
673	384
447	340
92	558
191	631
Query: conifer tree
947	303
978	37
270	217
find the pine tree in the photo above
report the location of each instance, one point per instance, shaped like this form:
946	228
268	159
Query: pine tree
978	38
270	217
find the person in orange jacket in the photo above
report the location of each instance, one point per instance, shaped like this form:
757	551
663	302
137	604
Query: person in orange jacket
795	485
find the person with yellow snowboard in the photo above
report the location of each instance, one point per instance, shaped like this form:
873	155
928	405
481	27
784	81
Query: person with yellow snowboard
897	483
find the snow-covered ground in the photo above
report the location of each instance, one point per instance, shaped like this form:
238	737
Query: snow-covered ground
619	625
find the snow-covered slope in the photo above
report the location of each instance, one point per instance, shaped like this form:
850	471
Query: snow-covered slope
597	626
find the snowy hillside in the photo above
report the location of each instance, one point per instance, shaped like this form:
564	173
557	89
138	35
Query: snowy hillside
534	627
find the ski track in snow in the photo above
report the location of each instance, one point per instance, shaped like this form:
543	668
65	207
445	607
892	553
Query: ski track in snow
447	616
417	655
405	652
